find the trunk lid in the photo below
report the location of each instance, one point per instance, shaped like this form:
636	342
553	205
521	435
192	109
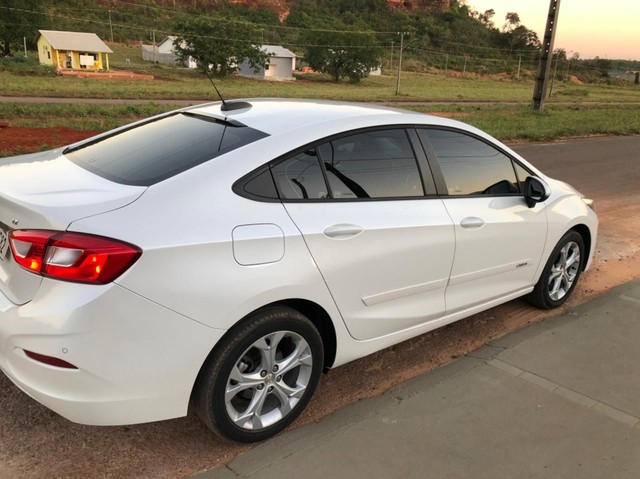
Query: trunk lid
47	191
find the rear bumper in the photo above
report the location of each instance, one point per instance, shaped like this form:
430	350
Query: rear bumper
137	361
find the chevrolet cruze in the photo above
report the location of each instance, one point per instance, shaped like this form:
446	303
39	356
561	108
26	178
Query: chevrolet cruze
226	254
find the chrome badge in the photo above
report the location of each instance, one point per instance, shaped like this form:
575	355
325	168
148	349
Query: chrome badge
4	244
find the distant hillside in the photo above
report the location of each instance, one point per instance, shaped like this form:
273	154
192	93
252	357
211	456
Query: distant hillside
283	7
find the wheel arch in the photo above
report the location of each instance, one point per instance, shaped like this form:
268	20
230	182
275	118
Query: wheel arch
311	310
583	230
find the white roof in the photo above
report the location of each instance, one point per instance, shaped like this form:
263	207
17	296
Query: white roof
277	51
170	38
275	116
75	41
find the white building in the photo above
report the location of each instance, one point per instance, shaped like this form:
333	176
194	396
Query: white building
280	65
164	53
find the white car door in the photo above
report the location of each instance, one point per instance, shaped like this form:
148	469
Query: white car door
384	249
499	239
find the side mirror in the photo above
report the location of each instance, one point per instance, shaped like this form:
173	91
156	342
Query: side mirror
535	191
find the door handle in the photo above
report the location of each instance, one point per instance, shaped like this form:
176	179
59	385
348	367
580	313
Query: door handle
343	231
471	222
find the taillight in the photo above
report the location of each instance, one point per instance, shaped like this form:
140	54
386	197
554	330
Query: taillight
72	256
51	361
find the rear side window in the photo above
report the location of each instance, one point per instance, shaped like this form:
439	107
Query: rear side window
157	150
471	166
300	177
375	164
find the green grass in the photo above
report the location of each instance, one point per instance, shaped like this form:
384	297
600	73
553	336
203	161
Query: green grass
180	83
518	123
77	116
505	122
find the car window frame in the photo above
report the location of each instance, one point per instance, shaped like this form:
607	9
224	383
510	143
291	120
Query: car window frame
424	169
434	163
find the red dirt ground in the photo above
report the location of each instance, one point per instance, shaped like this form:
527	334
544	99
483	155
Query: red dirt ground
108	75
18	140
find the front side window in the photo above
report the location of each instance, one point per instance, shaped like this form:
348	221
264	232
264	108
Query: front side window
374	164
521	173
161	148
471	166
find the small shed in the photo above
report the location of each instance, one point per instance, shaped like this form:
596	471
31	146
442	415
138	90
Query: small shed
164	53
73	50
280	65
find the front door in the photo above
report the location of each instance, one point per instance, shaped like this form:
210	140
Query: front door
499	240
384	249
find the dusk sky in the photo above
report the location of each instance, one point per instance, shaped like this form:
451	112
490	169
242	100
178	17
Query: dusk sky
608	29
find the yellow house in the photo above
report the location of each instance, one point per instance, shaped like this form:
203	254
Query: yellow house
73	50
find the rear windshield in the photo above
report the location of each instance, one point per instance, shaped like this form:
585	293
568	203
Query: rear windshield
157	150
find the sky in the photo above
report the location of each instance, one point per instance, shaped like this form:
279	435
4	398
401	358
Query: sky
608	29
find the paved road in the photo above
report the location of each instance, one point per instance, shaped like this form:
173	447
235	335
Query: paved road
558	399
606	167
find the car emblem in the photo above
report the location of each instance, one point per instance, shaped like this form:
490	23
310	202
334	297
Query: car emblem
15	222
4	244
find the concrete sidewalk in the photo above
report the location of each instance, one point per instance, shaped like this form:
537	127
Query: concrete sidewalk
558	399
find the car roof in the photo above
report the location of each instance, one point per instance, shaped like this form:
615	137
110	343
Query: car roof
275	115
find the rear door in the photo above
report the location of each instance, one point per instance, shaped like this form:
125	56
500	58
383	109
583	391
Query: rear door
499	239
384	243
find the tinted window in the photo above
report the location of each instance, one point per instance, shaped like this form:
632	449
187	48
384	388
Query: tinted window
471	166
157	150
376	164
261	184
300	177
521	173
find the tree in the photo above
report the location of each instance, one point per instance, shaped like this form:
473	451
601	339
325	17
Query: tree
18	19
346	54
219	45
511	21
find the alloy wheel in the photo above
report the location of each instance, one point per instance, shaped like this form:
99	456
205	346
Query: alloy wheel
564	271
268	380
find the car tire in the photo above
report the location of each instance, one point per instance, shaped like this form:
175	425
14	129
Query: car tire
261	376
561	273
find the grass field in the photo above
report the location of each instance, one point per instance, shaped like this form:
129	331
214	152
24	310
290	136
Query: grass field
520	123
413	87
181	83
505	122
574	110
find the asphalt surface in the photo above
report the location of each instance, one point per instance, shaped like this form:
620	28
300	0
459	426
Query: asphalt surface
556	399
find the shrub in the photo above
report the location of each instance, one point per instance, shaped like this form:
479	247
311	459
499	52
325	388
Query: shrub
26	66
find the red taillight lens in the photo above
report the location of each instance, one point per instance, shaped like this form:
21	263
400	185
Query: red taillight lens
72	256
51	361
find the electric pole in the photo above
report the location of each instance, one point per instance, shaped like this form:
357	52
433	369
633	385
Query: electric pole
542	76
402	34
110	26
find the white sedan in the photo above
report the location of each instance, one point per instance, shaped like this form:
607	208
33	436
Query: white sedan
227	254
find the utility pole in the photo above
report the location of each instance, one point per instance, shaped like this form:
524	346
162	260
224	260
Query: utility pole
546	56
555	73
110	26
154	47
391	60
402	34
